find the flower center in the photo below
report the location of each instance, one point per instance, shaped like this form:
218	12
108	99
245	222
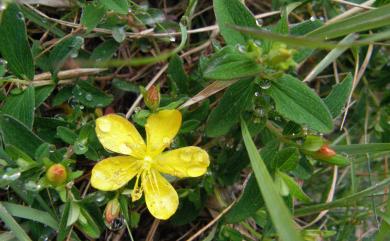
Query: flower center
148	161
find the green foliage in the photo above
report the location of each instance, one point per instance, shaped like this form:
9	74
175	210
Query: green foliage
292	107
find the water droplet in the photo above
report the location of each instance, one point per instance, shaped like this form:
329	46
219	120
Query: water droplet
313	18
265	84
129	10
257	94
241	48
74	54
259	22
32	186
81	107
99	197
80	147
88	97
11	176
2	6
166	141
3	62
196	171
258	43
172	38
186	156
259	112
117	224
20	16
104	125
137	109
125	149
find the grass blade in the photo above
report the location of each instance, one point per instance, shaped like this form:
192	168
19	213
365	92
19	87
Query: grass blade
279	213
358	149
12	224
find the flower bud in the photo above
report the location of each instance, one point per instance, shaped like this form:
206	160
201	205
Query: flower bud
57	174
313	143
326	152
152	97
112	211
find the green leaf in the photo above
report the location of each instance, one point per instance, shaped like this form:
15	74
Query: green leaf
74	213
66	134
287	159
230	64
31	214
63	229
177	74
87	224
11	223
63	50
42	93
294	188
92	15
279	213
118	6
358	149
297	102
16	133
125	85
233	12
236	99
14	45
248	203
372	19
91	96
21	106
338	97
104	51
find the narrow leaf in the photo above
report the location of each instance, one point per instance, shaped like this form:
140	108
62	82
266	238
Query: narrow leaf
280	215
18	231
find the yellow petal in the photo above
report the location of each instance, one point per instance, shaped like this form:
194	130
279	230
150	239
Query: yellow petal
112	173
160	197
118	135
161	128
190	161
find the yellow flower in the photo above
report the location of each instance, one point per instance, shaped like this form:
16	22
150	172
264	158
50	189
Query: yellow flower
146	161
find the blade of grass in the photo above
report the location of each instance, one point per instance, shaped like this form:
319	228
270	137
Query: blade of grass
279	212
330	57
361	22
342	202
12	224
358	149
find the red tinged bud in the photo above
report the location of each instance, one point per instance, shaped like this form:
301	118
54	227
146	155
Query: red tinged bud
326	151
112	211
152	97
109	110
57	174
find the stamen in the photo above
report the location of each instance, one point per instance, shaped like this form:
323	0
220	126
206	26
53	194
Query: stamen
137	190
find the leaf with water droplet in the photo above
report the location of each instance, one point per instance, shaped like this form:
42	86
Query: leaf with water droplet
90	96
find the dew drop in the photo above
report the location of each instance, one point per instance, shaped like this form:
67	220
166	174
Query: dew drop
88	97
257	94
259	112
125	149
11	176
137	109
2	7
117	224
104	125
32	186
241	48
185	156
3	62
265	84
259	22
196	171
79	147
172	38
20	16
166	141
312	18
129	10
